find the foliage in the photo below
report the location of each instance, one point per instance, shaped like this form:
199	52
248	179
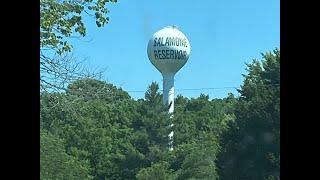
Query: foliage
125	139
105	134
152	96
157	171
90	89
56	164
252	146
59	19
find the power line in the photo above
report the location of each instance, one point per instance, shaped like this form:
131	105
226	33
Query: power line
190	89
205	88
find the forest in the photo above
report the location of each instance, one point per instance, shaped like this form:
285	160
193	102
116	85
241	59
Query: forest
95	130
92	129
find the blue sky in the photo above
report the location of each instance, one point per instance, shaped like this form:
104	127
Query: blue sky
224	35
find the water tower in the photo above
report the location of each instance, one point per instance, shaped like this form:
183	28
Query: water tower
169	50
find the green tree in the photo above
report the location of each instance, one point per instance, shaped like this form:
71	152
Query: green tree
252	146
152	128
196	159
94	128
92	89
152	96
121	138
55	163
61	20
198	126
157	171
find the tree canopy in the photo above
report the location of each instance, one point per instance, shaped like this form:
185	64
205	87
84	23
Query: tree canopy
252	146
95	130
61	20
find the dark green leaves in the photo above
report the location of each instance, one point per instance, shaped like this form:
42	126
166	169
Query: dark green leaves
97	130
252	146
159	171
55	163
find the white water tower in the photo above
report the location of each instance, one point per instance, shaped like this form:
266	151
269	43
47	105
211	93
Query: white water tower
169	50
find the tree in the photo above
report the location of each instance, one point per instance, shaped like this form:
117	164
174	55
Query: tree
199	164
152	96
59	21
120	138
199	123
92	89
95	129
55	163
152	128
157	171
252	146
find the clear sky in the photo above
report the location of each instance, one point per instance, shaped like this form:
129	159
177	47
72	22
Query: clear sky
224	35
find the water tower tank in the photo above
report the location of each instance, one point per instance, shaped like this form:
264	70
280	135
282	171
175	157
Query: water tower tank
169	50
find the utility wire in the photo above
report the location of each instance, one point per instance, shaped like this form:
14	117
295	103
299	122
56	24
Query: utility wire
209	88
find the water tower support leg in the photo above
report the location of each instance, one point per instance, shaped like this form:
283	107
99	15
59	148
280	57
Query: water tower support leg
168	99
